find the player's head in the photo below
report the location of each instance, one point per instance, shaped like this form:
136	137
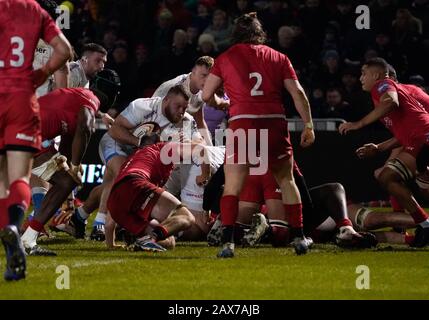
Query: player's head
392	73
49	6
151	133
373	70
93	59
106	85
248	29
175	103
200	71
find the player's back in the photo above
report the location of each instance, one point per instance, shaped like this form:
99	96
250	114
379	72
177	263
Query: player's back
68	100
22	23
418	93
146	162
253	77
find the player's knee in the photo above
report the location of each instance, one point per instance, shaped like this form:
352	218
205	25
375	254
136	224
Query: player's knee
336	188
187	217
394	171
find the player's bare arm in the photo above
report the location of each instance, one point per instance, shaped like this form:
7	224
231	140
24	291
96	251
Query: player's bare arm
62	53
84	130
61	77
120	131
371	149
388	102
210	87
303	107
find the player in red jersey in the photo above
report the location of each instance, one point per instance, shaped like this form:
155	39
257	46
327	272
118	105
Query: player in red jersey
254	76
22	23
69	113
371	149
408	121
137	197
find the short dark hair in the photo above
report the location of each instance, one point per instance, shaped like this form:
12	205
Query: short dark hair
93	47
205	61
180	90
248	29
378	62
392	72
50	7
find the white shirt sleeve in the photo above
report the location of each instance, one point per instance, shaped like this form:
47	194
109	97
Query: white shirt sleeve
140	110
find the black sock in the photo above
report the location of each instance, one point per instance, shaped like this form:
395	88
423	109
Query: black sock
159	233
16	214
297	233
228	234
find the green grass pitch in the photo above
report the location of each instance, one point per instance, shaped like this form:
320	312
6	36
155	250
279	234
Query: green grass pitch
192	271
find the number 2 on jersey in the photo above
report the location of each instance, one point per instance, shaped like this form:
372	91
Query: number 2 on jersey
255	91
17	52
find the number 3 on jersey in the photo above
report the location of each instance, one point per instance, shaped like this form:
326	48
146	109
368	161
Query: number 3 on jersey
17	52
255	92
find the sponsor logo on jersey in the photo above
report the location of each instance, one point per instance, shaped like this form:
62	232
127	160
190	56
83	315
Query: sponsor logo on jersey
382	87
22	136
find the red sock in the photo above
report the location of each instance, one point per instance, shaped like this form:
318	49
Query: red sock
344	222
19	194
294	211
229	210
395	205
36	225
4	215
409	238
419	215
160	233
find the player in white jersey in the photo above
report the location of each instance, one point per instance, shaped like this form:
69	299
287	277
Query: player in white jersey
119	141
86	68
194	83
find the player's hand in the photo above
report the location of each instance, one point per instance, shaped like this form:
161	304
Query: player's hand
202	180
39	77
107	120
344	128
307	137
367	151
224	105
76	173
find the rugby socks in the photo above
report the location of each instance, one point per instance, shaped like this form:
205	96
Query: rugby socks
82	214
100	219
295	219
229	213
4	216
37	195
160	233
239	230
29	238
294	211
17	202
343	223
395	205
420	217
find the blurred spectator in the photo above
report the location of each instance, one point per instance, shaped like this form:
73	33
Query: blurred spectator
329	74
192	33
344	15
335	106
176	60
382	14
273	17
220	29
240	7
164	33
317	102
289	44
420	9
314	19
126	70
182	17
203	18
207	45
144	70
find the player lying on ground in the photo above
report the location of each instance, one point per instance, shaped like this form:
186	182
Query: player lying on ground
22	24
69	113
137	197
408	121
324	214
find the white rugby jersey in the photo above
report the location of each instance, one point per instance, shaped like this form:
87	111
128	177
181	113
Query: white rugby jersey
77	77
41	56
195	100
